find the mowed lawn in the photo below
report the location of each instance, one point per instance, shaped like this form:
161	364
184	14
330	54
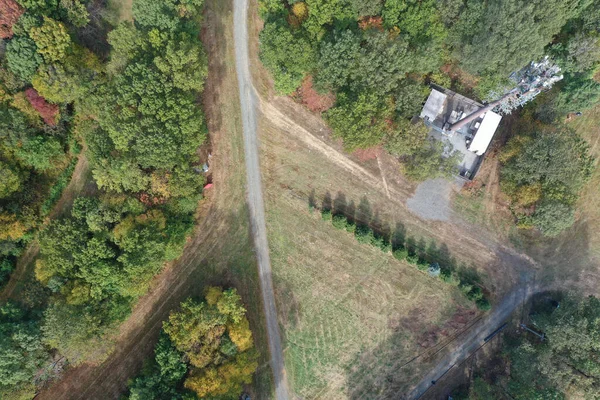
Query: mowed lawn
351	316
350	313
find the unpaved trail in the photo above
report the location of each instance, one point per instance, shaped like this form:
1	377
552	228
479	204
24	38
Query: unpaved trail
76	186
474	339
255	197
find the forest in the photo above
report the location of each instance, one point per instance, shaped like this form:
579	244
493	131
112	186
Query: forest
376	58
563	365
74	83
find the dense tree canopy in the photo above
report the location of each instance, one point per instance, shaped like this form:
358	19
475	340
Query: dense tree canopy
210	342
547	169
21	351
138	118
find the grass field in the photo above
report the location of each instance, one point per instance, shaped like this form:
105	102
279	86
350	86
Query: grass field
350	314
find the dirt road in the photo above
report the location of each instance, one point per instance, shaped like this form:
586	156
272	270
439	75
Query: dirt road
474	339
248	101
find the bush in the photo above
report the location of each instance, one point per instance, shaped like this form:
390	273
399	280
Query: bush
449	277
384	245
483	304
363	234
339	221
422	265
350	226
412	259
400	254
475	294
326	215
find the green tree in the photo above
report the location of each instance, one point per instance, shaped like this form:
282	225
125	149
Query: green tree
185	62
287	54
161	378
21	350
409	97
11	180
419	20
366	7
480	38
359	120
52	40
147	117
559	160
165	14
22	57
552	217
406	138
75	12
336	61
430	162
43	7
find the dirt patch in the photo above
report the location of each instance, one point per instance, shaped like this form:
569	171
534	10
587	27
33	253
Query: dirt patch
367	154
434	334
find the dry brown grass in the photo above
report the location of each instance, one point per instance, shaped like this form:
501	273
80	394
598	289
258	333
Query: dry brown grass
350	313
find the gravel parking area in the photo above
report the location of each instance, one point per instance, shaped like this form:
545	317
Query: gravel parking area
432	199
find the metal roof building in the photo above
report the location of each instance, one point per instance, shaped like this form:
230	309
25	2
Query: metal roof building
444	108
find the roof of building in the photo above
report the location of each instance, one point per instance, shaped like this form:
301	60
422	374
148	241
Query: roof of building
444	107
434	105
485	133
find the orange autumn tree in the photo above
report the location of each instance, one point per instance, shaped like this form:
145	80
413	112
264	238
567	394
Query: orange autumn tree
215	337
48	111
10	11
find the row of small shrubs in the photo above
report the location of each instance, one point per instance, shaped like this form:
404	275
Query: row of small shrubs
364	234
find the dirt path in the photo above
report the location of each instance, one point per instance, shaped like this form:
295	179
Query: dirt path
474	339
255	195
26	261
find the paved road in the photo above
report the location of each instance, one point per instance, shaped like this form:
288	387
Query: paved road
248	102
475	338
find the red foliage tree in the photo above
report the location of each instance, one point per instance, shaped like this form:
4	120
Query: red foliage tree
48	112
10	11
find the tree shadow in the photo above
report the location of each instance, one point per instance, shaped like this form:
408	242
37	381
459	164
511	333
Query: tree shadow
378	373
312	201
364	213
326	204
351	212
339	204
399	236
